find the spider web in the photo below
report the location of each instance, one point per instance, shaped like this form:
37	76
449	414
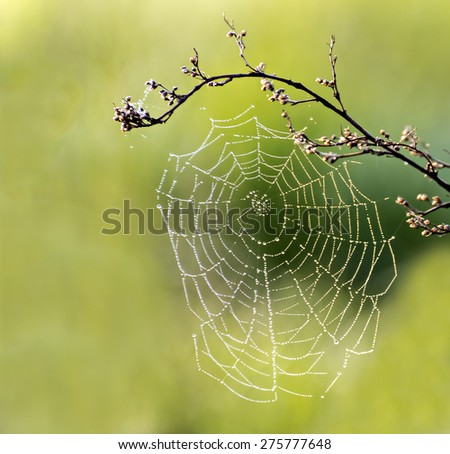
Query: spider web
282	260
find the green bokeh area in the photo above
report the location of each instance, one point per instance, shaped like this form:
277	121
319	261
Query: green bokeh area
95	335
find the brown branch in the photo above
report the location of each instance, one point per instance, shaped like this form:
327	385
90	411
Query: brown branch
408	150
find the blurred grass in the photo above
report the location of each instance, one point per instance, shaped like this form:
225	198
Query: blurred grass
94	332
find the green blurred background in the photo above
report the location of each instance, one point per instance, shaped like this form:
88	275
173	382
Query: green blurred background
95	335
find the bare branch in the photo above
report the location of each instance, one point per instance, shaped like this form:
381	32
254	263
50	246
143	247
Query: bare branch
239	38
333	83
359	141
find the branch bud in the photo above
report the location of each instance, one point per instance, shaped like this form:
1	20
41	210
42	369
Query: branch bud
435	201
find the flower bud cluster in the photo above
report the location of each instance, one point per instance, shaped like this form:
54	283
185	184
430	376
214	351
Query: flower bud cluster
280	96
170	96
325	82
131	116
267	85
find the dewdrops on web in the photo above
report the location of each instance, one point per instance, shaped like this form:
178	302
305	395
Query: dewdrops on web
273	305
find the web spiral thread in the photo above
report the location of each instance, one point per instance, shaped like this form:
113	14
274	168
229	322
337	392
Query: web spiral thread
279	256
